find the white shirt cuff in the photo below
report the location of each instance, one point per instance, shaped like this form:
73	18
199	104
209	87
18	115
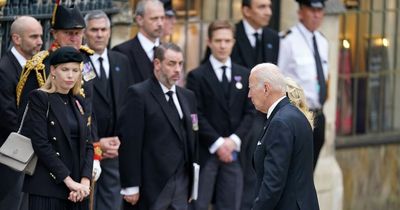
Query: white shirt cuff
214	147
237	141
129	190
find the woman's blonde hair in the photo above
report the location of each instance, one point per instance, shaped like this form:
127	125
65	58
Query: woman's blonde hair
297	98
50	87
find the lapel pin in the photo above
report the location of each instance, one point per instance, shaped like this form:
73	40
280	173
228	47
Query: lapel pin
79	107
117	68
238	82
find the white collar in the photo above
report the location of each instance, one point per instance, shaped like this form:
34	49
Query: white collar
165	89
146	43
250	30
20	58
96	56
305	31
272	107
216	64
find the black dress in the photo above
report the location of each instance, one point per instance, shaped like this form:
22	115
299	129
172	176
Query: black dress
38	202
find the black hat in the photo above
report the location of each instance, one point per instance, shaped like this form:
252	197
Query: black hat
312	3
65	55
67	18
169	11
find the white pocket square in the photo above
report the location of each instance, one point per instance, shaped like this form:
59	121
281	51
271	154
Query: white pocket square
258	143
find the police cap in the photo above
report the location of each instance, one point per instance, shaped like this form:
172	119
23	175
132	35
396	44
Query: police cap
312	3
169	10
67	18
65	55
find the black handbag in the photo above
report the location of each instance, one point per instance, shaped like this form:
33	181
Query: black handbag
17	151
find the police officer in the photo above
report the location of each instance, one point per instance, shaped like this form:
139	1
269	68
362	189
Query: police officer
303	56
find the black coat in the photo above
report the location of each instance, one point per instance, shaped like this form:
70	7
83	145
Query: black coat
141	65
51	141
243	53
10	70
106	110
283	161
152	146
217	117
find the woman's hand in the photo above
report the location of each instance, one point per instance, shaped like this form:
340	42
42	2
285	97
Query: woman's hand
78	190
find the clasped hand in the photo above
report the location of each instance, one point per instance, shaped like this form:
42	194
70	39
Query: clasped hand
79	191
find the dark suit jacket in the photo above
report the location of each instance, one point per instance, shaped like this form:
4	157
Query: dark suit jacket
51	141
107	111
243	53
152	146
141	65
283	161
217	117
9	74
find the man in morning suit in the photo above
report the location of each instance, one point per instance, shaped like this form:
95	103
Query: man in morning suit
304	58
149	17
158	137
26	37
255	43
283	159
113	77
225	116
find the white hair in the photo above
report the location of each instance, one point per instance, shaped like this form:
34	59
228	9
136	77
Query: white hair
268	72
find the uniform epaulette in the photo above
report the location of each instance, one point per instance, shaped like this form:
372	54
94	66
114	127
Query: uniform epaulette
283	34
34	64
86	50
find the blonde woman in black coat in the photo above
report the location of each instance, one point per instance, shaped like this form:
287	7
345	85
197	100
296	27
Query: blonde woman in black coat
58	126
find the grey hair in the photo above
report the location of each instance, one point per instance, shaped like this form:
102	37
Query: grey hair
268	72
97	14
162	48
141	6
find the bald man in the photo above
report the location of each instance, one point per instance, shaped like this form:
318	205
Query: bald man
26	38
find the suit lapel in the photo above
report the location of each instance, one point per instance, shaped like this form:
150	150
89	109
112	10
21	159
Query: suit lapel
77	111
159	96
234	91
244	43
15	62
215	85
281	104
115	78
267	45
186	114
140	56
59	111
98	86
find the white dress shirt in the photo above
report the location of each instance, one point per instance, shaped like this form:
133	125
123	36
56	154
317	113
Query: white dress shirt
250	32
148	45
296	60
21	59
216	65
96	63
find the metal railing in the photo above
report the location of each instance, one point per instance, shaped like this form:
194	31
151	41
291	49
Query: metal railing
42	11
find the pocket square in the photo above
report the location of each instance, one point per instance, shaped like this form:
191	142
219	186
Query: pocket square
258	143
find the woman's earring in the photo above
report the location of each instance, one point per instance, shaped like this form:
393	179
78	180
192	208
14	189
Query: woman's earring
53	77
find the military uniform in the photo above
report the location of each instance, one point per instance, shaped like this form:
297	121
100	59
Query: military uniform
303	56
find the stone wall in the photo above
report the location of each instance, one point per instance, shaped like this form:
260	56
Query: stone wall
371	177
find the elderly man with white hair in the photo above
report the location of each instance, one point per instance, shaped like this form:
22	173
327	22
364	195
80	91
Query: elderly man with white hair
283	159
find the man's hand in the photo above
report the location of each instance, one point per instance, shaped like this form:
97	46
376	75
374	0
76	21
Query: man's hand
110	146
132	199
224	153
230	144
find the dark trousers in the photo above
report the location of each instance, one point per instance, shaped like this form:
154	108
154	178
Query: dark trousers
224	181
10	188
319	133
108	195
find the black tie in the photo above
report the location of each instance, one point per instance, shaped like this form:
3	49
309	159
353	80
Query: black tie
320	73
154	51
103	77
225	82
258	49
172	104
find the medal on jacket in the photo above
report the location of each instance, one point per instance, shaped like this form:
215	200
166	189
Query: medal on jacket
88	72
195	122
238	82
79	107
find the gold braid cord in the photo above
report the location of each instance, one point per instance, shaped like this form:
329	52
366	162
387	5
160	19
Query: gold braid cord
34	64
86	50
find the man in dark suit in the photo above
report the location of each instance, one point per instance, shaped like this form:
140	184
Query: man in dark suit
149	17
26	37
255	43
225	116
158	137
283	159
110	86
